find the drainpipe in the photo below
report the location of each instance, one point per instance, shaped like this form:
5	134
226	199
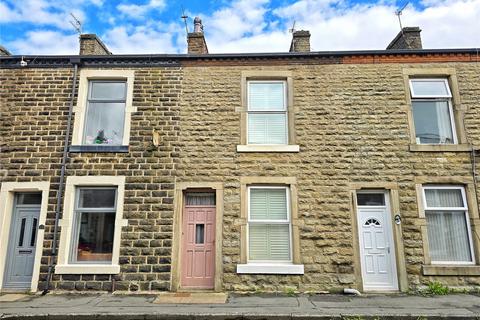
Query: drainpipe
351	291
51	265
473	160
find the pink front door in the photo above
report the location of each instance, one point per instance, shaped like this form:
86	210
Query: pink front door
198	244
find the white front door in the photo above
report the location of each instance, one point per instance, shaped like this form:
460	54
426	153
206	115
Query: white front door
377	249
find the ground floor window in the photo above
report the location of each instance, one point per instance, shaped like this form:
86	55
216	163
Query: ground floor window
270	236
94	225
449	235
91	225
269	227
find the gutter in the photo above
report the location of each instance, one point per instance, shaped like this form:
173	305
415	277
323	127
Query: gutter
174	60
53	257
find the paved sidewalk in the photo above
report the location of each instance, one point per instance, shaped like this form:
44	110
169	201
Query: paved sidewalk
108	306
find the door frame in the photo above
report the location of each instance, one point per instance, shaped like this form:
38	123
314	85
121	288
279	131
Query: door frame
32	211
180	189
388	224
7	200
391	190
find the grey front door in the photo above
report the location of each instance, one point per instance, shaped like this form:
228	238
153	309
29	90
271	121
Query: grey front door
21	243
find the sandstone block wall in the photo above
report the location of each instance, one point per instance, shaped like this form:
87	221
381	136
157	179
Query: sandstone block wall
196	43
300	41
34	108
90	44
351	125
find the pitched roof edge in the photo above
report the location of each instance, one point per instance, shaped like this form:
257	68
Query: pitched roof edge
174	59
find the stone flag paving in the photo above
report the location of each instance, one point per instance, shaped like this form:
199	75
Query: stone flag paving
254	307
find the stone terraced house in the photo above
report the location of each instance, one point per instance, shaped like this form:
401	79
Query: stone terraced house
306	171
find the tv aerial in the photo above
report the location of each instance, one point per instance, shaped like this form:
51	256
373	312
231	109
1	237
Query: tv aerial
398	13
184	17
292	30
76	24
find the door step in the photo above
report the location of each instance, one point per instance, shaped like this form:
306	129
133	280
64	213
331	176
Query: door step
191	297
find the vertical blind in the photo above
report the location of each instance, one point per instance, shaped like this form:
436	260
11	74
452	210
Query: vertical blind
269	240
448	237
441	198
447	229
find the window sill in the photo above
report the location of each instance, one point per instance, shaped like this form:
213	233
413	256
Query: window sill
268	148
270	268
451	270
440	147
99	148
87	269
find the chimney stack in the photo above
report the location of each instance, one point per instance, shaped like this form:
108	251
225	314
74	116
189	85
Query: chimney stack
407	38
4	51
90	44
300	41
196	39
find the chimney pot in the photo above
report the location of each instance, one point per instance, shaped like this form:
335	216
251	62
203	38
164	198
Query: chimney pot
196	39
90	44
300	41
407	38
197	25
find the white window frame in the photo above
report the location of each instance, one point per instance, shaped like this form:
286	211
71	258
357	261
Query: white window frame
263	222
80	110
466	215
283	111
434	98
90	100
73	258
65	266
443	80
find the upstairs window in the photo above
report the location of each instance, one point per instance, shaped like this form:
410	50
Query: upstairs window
432	111
267	113
104	111
105	116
